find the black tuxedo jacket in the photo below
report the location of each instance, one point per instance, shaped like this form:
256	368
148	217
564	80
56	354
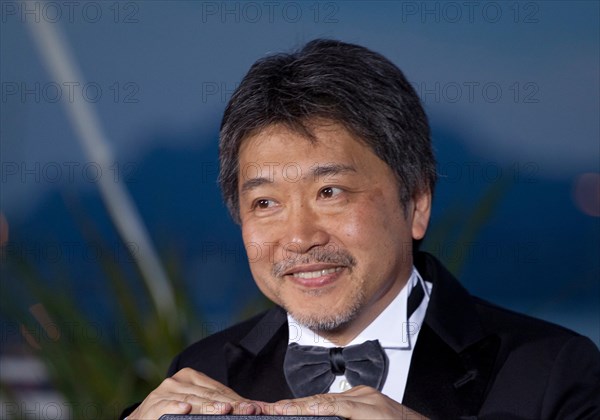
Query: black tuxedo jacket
472	360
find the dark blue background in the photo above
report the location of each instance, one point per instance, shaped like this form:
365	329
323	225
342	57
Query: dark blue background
529	135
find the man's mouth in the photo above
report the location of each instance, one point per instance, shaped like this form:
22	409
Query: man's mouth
317	263
316	273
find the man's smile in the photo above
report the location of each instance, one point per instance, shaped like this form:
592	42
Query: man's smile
315	275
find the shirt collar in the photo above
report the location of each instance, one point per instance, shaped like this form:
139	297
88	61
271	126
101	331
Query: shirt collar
379	329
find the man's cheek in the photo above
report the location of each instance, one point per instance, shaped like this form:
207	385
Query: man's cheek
253	252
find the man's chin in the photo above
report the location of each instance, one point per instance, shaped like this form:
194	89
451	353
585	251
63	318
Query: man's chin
317	321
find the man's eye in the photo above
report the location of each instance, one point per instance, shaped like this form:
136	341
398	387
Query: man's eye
262	203
329	192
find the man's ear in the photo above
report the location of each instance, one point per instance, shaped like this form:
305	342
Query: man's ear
421	212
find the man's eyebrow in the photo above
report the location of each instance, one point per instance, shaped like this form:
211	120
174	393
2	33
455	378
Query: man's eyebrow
318	171
328	169
254	183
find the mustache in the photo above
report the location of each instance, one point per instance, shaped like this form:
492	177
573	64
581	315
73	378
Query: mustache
328	255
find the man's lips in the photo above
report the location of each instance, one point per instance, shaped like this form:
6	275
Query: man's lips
314	275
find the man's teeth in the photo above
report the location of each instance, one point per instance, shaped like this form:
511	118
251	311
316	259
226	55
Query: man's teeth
315	274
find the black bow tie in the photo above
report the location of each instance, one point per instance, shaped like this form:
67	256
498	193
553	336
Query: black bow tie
310	370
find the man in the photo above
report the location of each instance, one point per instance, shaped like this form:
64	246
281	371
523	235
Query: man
327	165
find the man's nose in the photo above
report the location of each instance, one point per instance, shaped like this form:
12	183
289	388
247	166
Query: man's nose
304	230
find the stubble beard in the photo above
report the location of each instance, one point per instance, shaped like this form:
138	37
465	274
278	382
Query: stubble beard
321	320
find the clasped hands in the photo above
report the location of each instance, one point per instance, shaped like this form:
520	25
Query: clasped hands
192	392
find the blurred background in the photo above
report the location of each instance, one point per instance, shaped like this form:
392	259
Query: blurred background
116	250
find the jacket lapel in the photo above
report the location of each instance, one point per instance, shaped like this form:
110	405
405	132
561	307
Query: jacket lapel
255	363
446	384
453	359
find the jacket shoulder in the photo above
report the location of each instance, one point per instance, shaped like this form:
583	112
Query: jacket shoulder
542	369
508	323
206	355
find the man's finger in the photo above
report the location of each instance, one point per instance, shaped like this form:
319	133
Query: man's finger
248	408
317	405
199	379
363	403
159	407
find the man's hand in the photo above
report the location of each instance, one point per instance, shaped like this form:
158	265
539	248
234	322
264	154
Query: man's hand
192	392
358	403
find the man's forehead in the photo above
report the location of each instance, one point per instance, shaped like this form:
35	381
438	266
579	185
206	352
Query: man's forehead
273	150
321	134
305	128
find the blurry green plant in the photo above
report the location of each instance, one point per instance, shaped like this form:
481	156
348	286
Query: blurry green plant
98	375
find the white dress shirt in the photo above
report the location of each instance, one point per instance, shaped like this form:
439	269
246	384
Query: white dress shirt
396	334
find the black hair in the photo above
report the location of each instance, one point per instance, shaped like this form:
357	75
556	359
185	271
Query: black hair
333	80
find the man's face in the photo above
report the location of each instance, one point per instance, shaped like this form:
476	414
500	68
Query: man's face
325	233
